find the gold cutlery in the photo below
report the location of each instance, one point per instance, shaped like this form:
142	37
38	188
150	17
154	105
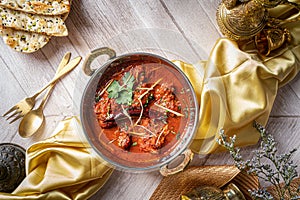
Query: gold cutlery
34	119
25	105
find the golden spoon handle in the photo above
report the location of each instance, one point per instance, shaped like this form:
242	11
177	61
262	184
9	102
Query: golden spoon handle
69	67
61	65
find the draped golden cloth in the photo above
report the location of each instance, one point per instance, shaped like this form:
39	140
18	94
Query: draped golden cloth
61	167
234	88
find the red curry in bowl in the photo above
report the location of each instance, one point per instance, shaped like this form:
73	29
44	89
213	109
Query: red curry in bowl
138	110
145	112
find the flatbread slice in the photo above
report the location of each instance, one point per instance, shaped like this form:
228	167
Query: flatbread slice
43	7
23	41
49	25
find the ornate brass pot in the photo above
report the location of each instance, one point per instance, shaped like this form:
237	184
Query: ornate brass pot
241	21
249	20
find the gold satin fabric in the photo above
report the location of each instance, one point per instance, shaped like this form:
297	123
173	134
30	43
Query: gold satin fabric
61	168
234	88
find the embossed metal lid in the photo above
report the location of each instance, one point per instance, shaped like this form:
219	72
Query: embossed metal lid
270	3
12	166
241	20
231	192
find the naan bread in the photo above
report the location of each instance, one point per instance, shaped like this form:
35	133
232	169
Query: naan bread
49	25
23	41
44	7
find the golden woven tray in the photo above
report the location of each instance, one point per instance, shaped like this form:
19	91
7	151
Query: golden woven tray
172	187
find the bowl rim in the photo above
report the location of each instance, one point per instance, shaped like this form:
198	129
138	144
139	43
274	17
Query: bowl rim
170	158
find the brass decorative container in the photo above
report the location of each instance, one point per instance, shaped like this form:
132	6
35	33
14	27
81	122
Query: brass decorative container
231	192
240	21
12	166
249	20
270	3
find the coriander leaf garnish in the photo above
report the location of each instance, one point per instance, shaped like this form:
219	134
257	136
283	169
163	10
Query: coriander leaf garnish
114	90
125	97
122	93
128	80
134	144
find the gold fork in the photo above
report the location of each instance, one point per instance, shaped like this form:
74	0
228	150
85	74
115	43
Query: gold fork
25	105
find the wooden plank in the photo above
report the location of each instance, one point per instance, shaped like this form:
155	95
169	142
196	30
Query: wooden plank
195	22
295	85
123	185
287	102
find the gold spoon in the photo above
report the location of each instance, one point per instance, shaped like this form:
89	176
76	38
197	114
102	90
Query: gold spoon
33	120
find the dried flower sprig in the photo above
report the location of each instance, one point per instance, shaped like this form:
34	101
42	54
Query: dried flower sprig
266	164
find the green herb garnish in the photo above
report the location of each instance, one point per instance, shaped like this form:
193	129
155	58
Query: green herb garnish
122	93
134	144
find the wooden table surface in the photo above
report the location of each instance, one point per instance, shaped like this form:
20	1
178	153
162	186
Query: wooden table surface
175	29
